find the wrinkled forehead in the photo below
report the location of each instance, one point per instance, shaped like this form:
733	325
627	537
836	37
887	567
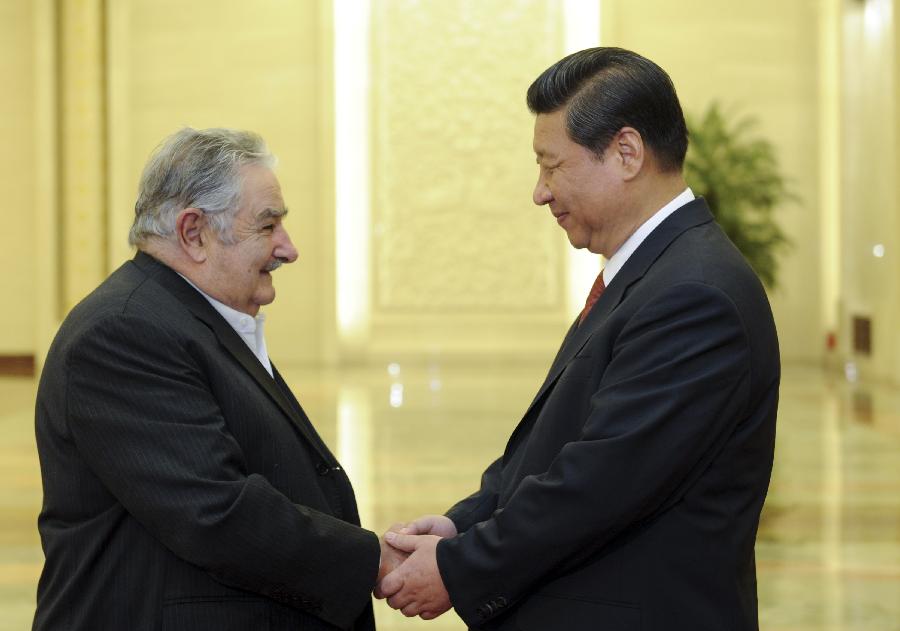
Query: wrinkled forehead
260	191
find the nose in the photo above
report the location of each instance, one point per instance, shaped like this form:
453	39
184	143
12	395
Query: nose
284	248
541	194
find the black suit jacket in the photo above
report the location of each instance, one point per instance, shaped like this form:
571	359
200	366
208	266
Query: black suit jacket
185	488
628	497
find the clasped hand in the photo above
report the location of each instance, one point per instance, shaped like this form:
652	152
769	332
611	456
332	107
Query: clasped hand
409	576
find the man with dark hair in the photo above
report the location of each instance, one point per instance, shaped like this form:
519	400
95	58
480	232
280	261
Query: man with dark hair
184	486
605	89
629	495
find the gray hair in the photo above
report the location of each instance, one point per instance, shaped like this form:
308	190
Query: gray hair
195	169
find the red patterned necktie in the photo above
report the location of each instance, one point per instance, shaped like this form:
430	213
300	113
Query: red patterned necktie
594	296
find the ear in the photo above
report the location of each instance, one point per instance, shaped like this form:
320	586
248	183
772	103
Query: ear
190	227
630	151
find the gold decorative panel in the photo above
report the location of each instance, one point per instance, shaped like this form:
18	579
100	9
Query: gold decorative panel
19	246
453	225
82	148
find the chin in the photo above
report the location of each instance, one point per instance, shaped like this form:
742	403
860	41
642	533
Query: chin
575	243
266	299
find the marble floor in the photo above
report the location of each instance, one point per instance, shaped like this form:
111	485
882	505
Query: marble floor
414	439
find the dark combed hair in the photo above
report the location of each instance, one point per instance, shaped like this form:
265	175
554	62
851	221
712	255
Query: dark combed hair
606	89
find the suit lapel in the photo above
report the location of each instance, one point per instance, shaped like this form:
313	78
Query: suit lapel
688	216
230	340
300	413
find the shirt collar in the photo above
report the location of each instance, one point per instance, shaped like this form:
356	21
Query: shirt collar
248	328
617	261
239	321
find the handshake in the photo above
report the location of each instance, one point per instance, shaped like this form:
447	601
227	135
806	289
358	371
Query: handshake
408	575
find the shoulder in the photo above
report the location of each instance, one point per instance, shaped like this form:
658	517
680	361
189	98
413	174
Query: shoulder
699	274
703	276
704	255
127	301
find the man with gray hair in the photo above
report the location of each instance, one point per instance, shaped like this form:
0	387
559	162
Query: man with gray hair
184	486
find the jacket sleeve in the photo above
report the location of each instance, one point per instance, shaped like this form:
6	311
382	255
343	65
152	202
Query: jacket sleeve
144	418
675	387
481	504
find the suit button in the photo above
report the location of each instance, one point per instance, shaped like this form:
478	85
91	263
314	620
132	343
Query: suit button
485	610
322	468
500	603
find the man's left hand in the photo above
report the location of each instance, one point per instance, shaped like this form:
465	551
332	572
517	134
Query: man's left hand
416	588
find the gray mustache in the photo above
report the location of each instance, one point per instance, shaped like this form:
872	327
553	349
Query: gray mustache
274	265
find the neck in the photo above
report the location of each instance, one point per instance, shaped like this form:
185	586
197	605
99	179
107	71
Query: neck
650	194
171	256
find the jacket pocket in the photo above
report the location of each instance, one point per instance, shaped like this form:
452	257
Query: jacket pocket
221	614
542	612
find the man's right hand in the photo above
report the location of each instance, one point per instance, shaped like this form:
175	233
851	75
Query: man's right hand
391	558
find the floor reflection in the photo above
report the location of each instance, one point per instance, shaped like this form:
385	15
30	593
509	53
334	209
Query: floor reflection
415	438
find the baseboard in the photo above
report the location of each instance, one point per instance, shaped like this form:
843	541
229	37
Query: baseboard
17	365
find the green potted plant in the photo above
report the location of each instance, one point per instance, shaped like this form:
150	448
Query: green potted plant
738	175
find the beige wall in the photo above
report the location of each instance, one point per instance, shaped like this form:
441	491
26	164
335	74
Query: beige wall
18	253
111	80
459	259
759	58
462	261
252	65
871	203
893	268
82	212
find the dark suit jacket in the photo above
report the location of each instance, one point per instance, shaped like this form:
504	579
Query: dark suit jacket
184	488
628	497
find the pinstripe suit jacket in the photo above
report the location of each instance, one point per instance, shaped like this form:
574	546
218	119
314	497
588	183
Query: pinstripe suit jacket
185	488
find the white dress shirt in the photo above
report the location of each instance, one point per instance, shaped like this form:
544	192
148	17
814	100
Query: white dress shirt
617	261
249	328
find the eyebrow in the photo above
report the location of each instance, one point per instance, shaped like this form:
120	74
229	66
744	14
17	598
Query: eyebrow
272	213
550	158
